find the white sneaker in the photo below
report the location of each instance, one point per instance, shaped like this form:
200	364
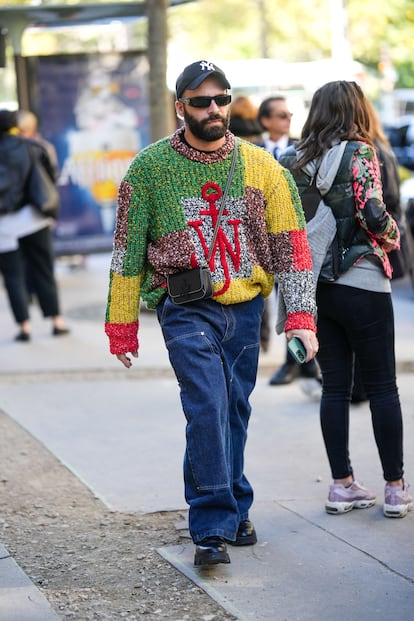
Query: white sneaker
398	501
342	499
311	387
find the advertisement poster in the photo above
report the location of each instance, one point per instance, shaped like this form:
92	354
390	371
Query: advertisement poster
94	110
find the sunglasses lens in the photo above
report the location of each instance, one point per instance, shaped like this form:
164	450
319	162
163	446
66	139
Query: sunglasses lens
222	100
200	102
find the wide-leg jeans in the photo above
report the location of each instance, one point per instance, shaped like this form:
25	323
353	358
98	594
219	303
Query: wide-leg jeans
214	350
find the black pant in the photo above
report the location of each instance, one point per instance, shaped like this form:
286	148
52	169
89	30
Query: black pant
355	322
36	251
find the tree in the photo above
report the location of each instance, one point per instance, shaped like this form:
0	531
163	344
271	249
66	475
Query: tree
157	55
295	31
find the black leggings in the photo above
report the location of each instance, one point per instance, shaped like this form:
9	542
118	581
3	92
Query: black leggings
35	252
357	322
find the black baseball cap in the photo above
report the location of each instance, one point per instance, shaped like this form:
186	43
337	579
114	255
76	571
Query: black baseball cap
196	73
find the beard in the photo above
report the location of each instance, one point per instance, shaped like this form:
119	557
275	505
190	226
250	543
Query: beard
203	130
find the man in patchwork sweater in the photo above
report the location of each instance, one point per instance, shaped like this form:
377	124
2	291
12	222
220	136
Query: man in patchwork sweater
168	206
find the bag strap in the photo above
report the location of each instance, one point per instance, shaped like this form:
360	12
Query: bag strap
310	198
223	201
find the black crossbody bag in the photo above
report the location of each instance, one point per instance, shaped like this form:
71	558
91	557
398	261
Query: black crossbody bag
196	284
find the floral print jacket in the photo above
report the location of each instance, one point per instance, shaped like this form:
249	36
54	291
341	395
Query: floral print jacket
381	228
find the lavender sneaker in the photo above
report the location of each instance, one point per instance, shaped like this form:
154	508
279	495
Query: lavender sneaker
398	501
342	499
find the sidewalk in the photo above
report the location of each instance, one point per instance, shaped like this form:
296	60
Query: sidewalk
304	558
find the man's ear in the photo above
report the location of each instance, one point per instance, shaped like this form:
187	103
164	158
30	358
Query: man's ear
264	122
179	110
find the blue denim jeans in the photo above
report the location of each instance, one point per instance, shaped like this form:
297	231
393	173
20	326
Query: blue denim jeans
355	322
214	352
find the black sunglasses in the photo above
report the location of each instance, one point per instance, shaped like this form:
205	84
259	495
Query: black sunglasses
205	102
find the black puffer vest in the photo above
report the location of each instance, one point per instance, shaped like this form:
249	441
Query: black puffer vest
351	241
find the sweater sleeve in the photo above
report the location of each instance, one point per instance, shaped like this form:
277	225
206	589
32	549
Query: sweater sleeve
371	211
291	255
127	268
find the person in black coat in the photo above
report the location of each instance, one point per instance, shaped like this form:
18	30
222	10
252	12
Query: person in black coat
25	234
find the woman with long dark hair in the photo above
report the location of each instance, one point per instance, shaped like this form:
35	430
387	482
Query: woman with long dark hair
355	313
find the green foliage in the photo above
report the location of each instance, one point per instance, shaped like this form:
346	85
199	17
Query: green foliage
379	30
295	31
232	30
9	3
379	33
405	75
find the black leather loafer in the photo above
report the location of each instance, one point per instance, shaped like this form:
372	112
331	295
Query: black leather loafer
60	331
23	337
246	534
285	375
211	551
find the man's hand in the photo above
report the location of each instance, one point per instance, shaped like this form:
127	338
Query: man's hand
125	360
309	340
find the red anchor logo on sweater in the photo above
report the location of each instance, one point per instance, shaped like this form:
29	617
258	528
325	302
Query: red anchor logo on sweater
211	192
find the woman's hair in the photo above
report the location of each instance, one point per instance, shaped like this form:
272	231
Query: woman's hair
375	128
338	111
243	118
8	120
243	107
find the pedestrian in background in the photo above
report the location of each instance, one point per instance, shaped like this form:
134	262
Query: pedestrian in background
275	117
25	235
168	206
244	122
355	311
401	260
28	126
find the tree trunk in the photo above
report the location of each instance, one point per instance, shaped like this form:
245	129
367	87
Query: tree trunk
160	100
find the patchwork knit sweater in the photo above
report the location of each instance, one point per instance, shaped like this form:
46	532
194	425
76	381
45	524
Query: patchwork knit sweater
168	204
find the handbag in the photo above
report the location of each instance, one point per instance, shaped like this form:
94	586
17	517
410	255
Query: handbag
40	190
191	285
197	284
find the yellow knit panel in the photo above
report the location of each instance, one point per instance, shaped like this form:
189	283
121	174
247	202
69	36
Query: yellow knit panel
124	298
243	289
283	205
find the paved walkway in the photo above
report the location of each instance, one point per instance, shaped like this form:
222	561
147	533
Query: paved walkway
304	559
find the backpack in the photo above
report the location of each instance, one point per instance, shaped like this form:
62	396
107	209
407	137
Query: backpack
5	187
312	201
40	187
311	197
14	168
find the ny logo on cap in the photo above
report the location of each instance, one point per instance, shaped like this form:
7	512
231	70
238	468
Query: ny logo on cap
206	65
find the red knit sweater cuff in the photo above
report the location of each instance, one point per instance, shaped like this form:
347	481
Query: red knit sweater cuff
123	337
300	321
